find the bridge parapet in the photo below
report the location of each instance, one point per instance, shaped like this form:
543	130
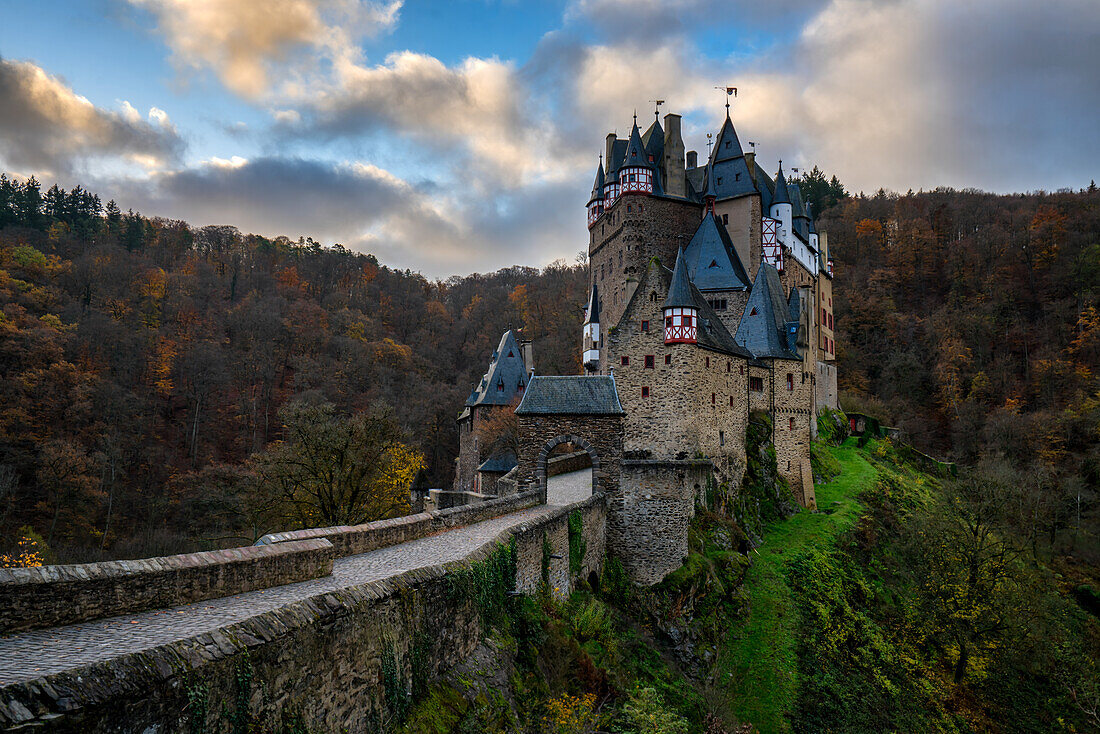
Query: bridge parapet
51	596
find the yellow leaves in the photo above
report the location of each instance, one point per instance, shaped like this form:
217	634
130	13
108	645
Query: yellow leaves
25	555
568	714
391	353
471	307
117	308
160	366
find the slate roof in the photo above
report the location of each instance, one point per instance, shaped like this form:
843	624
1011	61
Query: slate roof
712	261
780	195
506	369
592	312
636	153
679	289
727	146
618	151
654	140
763	328
500	463
597	185
571	395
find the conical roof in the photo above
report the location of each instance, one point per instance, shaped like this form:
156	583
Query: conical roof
506	376
679	290
763	326
597	185
780	196
654	140
636	153
592	313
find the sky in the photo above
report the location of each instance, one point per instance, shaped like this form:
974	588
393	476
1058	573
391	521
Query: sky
460	136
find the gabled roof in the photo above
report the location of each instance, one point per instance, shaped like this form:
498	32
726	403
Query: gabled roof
592	312
636	153
679	290
506	376
763	327
618	151
571	395
727	146
500	463
780	196
712	261
597	185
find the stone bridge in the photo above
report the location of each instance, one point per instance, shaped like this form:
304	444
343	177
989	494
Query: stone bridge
159	645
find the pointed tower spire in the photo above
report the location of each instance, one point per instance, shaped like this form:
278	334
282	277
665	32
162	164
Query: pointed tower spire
679	291
592	312
590	342
710	194
781	196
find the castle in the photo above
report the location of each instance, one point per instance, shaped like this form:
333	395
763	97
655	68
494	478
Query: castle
676	358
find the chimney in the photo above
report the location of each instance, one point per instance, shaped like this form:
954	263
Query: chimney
610	147
693	160
674	181
750	161
527	349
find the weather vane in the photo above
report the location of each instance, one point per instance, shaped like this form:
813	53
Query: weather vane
657	107
753	146
709	142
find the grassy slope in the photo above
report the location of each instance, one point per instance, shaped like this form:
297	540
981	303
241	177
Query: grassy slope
760	661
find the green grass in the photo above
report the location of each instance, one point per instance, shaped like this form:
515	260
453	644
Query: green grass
760	662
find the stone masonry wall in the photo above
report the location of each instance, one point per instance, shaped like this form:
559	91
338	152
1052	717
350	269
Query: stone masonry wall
648	520
50	596
743	224
635	229
324	659
603	433
698	400
350	540
793	421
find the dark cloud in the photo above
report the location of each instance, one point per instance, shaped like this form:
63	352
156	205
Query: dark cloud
46	127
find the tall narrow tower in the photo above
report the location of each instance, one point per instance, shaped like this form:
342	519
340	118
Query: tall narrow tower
590	346
681	315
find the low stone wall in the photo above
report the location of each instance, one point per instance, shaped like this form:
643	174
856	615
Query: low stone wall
443	499
350	540
339	661
51	596
568	463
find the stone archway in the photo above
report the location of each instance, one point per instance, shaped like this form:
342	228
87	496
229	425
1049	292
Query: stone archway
541	473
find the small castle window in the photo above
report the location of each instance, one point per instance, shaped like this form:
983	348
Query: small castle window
742	369
713	263
645	392
651	159
725	219
625	361
721	438
500	385
731	401
712	398
792	424
653	297
645	325
737	177
790	381
668	322
510	353
719	180
630	207
649	361
708	361
756	384
753	311
668	359
727	143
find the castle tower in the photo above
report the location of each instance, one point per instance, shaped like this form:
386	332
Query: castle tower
709	194
636	174
595	202
590	346
781	209
681	315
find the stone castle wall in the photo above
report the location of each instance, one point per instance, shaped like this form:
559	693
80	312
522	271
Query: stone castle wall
51	596
648	519
793	420
324	658
742	222
539	433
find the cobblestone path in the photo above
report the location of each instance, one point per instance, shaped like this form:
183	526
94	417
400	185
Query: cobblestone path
29	655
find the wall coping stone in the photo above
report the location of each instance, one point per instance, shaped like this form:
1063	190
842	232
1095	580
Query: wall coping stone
667	462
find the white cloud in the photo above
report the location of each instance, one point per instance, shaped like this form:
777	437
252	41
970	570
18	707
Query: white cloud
48	128
253	46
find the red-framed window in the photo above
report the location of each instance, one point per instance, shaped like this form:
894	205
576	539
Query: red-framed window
645	326
731	401
708	359
792	424
668	359
756	384
729	367
713	397
625	361
790	381
645	392
742	369
649	361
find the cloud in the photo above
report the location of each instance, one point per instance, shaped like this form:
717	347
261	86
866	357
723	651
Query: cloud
639	21
45	127
251	46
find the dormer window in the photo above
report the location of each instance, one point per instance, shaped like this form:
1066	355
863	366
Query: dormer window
753	311
500	385
727	143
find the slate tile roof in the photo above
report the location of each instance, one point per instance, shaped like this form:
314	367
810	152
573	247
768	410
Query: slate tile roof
571	395
506	376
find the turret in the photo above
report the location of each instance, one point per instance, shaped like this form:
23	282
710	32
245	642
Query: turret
681	315
812	228
709	194
595	202
636	171
590	356
781	207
